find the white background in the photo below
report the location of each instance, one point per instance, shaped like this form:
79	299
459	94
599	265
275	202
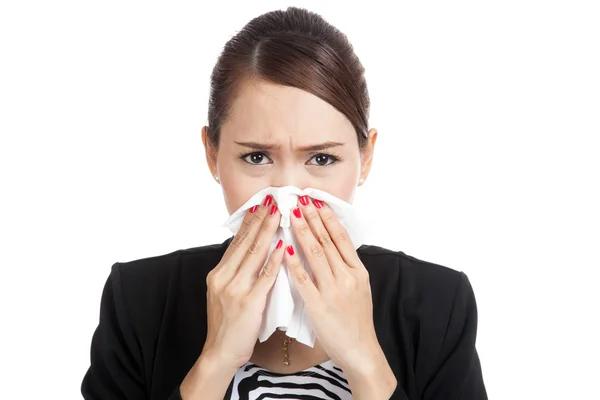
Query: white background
487	162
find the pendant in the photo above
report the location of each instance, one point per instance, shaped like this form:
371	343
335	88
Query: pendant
286	356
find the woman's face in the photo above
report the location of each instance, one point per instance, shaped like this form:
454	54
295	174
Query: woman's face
278	136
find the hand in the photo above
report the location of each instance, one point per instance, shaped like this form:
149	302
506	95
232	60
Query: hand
339	302
236	295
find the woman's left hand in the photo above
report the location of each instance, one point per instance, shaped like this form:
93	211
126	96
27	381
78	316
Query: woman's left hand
339	302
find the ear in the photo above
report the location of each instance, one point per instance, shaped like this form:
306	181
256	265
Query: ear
210	152
367	156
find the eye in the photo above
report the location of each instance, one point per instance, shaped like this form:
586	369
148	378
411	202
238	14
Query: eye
256	158
323	160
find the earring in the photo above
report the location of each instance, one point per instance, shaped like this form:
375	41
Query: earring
361	181
217	178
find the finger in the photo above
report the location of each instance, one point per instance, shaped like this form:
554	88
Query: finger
305	286
269	273
312	217
312	249
240	237
338	234
245	239
259	249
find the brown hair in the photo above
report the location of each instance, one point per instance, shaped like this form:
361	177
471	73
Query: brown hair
298	48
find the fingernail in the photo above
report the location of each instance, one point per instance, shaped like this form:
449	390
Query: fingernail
268	200
279	244
253	209
297	212
318	203
273	209
304	200
290	250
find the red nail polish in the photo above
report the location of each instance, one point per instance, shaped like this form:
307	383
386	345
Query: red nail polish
273	209
268	200
297	212
318	203
253	209
279	244
304	200
290	250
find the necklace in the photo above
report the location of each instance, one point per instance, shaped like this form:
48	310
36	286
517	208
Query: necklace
286	342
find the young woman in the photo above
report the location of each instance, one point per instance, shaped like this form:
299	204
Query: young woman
288	106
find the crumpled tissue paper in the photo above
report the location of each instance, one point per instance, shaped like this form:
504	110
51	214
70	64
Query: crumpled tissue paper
285	307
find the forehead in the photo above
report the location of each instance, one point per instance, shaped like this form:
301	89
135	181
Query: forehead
267	109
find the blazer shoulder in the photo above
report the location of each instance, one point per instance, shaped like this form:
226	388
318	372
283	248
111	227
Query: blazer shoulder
417	286
434	305
145	286
160	267
426	273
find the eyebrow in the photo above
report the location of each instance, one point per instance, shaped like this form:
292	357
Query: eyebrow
267	146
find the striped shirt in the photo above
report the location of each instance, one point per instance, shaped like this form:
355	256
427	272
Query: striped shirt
323	381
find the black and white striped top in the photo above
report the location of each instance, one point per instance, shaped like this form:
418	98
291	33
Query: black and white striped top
323	381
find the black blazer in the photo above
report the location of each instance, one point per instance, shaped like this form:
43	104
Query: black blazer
153	325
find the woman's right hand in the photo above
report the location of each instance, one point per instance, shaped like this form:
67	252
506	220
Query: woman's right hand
236	295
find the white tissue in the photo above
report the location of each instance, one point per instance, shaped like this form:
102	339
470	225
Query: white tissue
285	307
